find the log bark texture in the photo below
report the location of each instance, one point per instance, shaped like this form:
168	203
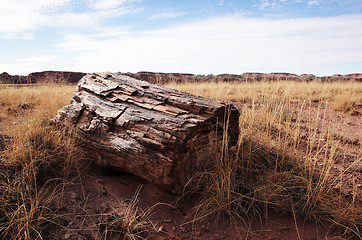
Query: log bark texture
160	134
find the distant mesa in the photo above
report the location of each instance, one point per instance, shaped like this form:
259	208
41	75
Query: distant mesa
162	78
42	77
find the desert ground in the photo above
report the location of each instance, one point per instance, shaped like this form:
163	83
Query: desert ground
294	174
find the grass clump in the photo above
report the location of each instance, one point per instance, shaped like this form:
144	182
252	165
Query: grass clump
133	223
346	103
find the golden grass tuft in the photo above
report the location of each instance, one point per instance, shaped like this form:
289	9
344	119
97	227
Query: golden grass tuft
346	103
133	224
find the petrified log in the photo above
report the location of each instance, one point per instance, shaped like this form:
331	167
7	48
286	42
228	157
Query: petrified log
157	133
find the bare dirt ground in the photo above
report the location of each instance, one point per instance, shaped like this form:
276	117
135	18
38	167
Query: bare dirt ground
103	195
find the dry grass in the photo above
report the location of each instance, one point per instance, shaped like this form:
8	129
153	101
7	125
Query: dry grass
37	160
133	223
286	154
347	103
41	101
280	162
339	93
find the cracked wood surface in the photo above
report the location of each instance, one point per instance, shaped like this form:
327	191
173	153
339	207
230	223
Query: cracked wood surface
160	134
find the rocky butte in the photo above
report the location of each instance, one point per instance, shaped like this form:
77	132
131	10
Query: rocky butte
42	77
161	78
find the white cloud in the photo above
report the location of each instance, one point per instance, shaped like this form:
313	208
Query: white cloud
108	4
166	15
312	3
21	5
231	44
18	18
267	3
39	59
26	65
264	4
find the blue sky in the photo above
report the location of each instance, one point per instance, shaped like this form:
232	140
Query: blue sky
322	37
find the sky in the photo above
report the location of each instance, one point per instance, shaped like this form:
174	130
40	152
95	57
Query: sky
320	37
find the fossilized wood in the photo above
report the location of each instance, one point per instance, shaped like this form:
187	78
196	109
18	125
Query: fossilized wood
4	140
157	133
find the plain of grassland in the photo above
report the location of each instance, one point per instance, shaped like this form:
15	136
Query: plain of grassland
299	152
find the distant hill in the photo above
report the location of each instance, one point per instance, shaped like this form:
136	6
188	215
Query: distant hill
42	77
161	78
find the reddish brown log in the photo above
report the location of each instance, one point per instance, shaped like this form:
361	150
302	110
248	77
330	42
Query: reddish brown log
157	133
